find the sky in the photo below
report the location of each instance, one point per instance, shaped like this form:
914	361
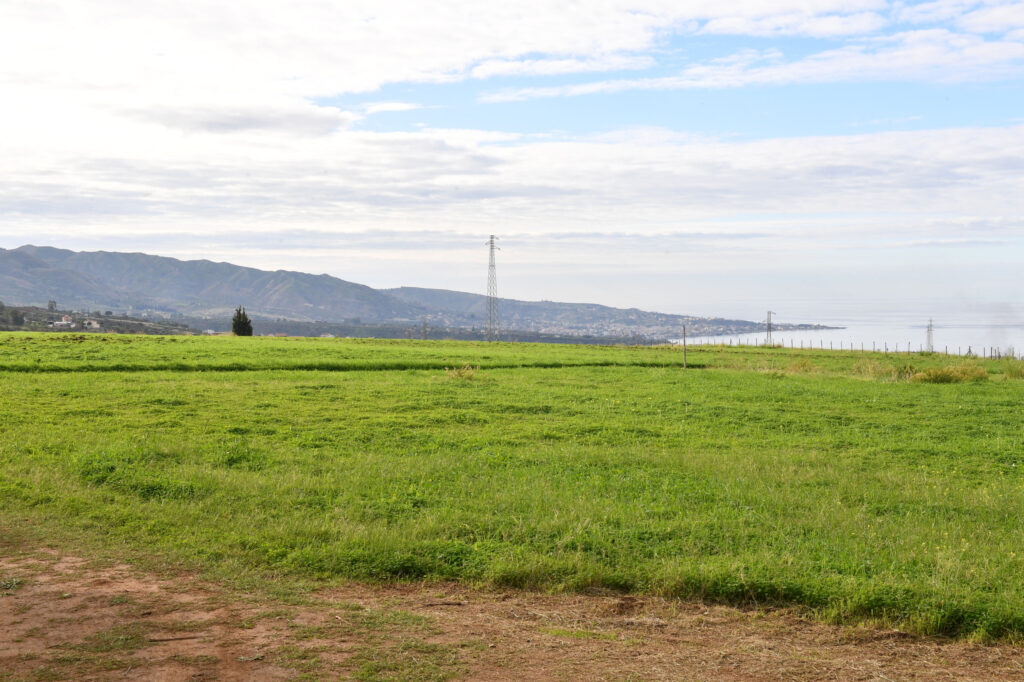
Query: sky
822	159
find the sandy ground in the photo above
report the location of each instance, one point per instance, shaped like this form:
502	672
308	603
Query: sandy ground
63	617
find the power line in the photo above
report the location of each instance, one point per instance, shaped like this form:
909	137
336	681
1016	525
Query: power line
493	323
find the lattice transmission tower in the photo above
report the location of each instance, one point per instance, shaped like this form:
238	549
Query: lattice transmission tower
930	347
493	322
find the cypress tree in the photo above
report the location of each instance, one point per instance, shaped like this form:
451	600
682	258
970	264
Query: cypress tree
241	325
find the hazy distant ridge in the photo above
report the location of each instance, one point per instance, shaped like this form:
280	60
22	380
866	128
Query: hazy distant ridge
555	317
103	280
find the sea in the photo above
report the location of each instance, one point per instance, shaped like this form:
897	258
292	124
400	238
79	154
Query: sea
983	335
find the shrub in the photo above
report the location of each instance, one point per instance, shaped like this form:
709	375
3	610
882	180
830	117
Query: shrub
905	372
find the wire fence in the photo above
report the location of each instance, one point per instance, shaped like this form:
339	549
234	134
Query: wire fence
988	352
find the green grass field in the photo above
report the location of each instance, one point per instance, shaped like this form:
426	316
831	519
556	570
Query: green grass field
864	487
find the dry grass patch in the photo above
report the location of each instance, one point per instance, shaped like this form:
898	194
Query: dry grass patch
869	368
957	373
950	374
1013	369
466	373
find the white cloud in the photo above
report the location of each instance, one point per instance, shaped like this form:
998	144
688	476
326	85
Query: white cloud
551	67
933	12
460	180
994	19
799	24
934	54
195	51
80	65
198	109
378	107
300	119
977	16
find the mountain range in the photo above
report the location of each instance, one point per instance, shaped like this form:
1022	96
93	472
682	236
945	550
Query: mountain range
157	285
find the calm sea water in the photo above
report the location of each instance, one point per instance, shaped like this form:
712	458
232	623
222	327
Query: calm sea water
954	337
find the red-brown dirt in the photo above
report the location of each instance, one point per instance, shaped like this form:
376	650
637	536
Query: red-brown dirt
63	617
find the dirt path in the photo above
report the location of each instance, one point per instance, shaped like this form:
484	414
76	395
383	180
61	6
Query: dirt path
62	617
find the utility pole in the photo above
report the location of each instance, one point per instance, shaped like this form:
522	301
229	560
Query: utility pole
493	323
684	346
768	325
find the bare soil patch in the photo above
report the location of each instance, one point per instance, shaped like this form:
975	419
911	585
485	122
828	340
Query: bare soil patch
63	618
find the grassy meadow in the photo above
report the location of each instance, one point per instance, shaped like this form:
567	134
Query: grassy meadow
864	487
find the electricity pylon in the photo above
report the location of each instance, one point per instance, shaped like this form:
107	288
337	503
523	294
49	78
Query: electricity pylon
493	323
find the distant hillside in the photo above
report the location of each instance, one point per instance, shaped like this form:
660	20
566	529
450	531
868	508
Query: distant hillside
101	279
543	315
137	282
28	280
572	318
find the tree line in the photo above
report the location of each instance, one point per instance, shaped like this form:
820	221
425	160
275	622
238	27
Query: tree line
11	316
